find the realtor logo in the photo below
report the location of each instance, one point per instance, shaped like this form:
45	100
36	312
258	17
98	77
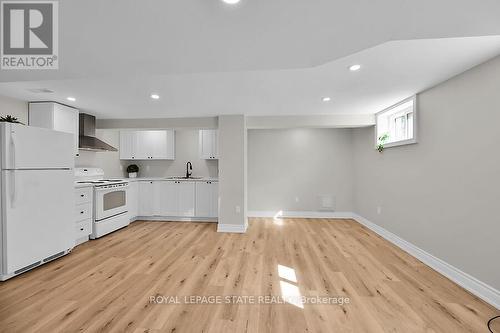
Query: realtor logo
29	35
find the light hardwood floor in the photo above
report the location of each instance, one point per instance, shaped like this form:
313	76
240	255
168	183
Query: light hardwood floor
105	285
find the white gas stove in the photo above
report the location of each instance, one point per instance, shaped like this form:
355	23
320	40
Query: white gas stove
110	201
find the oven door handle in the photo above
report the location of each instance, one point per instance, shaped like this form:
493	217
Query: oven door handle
114	189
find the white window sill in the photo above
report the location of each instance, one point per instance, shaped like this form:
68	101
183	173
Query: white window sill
399	143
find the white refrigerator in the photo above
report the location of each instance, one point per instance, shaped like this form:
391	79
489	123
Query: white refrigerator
37	197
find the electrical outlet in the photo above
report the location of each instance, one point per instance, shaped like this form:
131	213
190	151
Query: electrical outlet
379	210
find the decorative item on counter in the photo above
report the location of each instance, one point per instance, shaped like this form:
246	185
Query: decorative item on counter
132	171
10	119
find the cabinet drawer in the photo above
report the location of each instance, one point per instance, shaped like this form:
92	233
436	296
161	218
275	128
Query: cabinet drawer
83	212
83	229
83	195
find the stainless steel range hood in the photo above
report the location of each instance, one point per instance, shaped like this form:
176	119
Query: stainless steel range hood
87	139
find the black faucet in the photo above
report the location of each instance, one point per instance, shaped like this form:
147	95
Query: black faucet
189	166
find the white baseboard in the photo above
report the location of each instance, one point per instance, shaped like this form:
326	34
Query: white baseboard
173	219
232	228
301	214
466	281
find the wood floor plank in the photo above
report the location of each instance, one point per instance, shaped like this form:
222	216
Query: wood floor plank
106	285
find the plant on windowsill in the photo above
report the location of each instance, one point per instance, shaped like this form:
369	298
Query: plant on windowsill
381	142
132	171
10	119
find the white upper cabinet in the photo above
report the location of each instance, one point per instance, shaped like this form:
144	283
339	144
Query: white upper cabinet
127	145
147	145
55	116
208	145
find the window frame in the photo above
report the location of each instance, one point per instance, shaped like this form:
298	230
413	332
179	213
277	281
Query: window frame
415	122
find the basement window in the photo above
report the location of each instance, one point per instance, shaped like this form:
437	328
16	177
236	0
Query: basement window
397	125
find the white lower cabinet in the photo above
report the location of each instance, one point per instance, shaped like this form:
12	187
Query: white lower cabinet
147	197
186	194
168	198
182	199
207	199
177	198
83	214
133	200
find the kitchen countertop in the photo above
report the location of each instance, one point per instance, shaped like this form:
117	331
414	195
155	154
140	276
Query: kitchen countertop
82	185
145	179
203	179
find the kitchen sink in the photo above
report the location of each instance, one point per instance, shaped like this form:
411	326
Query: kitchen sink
184	177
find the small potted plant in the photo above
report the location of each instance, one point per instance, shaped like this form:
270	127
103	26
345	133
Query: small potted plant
10	119
381	142
132	171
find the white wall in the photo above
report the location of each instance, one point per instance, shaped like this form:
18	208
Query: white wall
311	121
158	123
233	165
14	107
443	193
290	169
186	149
108	161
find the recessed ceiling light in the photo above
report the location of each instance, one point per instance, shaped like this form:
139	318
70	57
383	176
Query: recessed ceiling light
354	68
71	99
155	96
326	99
231	2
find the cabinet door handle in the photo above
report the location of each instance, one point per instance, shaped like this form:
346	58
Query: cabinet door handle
82	195
81	229
82	212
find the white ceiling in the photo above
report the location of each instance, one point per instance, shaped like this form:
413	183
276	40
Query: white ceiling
390	73
260	57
